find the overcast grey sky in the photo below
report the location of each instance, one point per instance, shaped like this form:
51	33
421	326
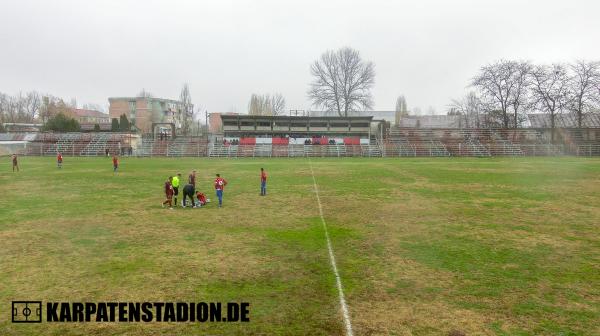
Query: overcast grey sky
227	50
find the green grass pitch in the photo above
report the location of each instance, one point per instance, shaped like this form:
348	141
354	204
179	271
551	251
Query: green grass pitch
496	246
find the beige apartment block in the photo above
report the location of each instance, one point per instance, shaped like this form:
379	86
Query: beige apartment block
144	111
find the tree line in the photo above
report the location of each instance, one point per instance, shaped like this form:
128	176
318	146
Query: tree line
506	90
34	107
502	93
30	107
266	104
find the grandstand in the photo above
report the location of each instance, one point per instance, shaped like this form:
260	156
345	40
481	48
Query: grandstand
297	136
75	143
472	142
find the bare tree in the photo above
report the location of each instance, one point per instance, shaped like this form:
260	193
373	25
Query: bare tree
254	106
51	106
45	112
259	105
145	94
32	105
187	109
504	85
342	82
520	96
278	104
3	107
14	108
469	108
401	109
550	90
9	108
266	104
583	87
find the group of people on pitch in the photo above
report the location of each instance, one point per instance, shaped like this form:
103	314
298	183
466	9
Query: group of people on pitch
197	198
189	190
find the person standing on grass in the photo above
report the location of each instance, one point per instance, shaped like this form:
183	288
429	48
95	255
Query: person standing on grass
220	184
115	163
15	162
169	193
59	160
192	179
188	191
175	184
263	182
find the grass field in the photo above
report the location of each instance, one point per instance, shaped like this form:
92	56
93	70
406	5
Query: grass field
423	246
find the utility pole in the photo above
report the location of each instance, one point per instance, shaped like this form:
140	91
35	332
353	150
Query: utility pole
206	118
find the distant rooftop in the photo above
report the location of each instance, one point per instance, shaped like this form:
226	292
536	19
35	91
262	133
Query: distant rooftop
150	98
284	117
542	120
430	121
89	113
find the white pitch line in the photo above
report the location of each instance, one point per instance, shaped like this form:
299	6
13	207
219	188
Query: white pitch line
338	280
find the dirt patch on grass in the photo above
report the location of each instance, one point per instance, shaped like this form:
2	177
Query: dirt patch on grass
398	317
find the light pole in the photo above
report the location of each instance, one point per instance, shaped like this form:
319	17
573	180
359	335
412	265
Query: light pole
206	124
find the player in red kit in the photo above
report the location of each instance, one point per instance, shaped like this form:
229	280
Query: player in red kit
201	199
115	163
263	182
169	193
59	160
220	184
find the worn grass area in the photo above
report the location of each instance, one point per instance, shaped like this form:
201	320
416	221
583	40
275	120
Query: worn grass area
424	246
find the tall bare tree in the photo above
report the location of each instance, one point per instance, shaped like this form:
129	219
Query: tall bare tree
51	106
187	109
3	107
266	104
469	108
583	88
520	96
278	104
32	105
504	85
550	90
342	82
401	109
145	94
9	108
255	105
